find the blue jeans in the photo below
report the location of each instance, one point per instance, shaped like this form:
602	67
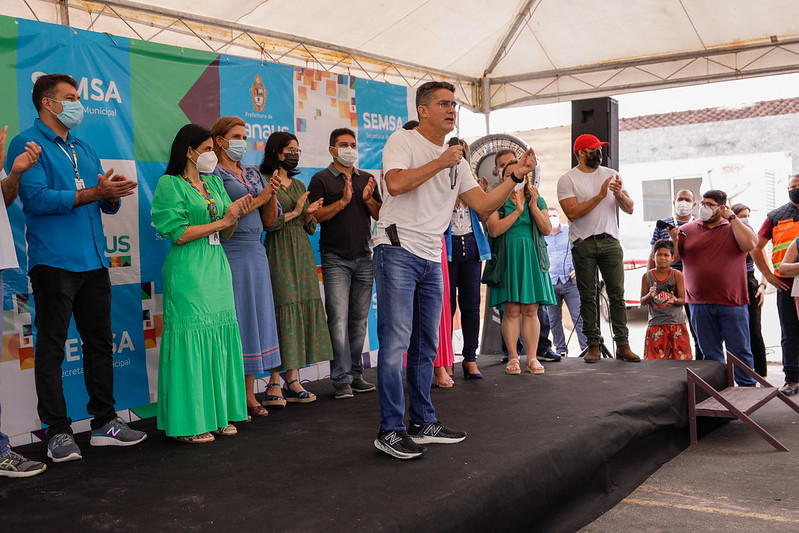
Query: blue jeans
565	292
409	297
3	437
348	295
728	324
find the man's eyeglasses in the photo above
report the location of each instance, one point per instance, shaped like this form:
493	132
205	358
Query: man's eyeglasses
447	104
708	204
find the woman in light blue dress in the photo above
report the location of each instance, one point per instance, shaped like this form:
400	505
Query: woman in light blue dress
252	287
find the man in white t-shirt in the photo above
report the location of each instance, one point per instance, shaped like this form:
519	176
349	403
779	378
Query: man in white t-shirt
419	195
594	237
12	464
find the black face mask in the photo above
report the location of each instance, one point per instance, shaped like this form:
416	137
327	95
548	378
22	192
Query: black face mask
793	194
594	158
290	161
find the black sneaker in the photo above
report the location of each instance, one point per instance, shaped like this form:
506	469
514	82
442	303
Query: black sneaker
434	433
549	356
361	385
343	391
398	444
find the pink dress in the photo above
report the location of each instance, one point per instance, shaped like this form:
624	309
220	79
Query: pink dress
445	356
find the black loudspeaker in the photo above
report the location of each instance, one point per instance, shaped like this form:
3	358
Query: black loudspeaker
600	117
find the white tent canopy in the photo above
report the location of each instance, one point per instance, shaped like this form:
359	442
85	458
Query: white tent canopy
498	53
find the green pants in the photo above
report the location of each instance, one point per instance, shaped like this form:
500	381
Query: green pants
608	256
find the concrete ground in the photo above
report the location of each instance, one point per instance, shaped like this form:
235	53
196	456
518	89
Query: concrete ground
732	480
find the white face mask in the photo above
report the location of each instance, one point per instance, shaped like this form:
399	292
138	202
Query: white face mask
683	208
706	213
744	220
554	220
206	162
347	156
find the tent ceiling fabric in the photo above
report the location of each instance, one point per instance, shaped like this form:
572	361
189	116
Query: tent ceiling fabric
529	51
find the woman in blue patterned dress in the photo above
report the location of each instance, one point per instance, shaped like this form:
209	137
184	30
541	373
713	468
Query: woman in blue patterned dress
252	287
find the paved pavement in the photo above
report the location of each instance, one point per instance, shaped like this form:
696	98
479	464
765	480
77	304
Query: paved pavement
732	480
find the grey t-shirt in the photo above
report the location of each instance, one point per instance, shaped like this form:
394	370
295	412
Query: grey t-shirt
659	314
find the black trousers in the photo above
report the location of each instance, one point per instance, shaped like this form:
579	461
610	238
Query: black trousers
755	332
59	294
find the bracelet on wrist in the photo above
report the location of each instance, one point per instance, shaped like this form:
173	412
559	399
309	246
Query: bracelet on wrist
515	179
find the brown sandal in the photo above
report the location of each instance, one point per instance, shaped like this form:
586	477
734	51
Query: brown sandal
257	411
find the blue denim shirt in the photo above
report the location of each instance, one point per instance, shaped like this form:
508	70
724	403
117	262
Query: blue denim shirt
560	255
59	234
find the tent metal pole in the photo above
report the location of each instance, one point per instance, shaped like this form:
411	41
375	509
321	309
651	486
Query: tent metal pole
164	12
63	11
486	94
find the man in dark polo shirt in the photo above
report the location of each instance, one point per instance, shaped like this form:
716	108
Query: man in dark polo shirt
350	200
713	252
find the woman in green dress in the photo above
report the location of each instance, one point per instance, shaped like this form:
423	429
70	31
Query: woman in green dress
523	221
301	323
200	371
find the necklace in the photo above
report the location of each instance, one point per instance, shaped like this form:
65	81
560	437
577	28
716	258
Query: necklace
208	197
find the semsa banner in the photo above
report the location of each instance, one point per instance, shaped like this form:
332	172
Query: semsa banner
382	110
136	96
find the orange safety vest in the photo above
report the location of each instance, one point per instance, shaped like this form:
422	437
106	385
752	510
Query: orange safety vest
782	235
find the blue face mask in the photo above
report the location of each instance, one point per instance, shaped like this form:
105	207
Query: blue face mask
236	149
71	115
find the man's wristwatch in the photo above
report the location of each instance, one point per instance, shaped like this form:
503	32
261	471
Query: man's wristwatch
732	217
515	179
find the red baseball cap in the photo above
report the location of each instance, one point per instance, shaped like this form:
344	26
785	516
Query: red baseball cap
586	140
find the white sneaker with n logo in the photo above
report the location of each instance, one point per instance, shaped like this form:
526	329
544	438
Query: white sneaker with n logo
116	433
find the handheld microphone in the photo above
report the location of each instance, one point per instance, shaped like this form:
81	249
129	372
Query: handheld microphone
453	172
662	224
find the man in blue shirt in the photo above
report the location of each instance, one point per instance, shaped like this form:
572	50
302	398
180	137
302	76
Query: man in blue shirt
561	270
62	196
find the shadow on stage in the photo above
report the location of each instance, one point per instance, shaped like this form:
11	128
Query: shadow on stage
547	452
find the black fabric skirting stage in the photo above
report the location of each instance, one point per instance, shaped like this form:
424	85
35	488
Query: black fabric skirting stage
544	453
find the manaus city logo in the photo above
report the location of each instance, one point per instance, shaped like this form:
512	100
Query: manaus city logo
258	93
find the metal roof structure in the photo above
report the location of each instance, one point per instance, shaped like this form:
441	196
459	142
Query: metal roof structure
499	54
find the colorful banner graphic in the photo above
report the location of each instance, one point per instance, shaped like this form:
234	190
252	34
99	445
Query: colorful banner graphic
136	96
382	110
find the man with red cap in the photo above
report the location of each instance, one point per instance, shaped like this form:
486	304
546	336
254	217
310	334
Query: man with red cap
583	193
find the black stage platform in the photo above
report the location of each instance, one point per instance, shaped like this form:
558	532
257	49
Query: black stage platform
544	453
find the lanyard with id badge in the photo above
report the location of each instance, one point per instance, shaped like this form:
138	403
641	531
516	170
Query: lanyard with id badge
213	238
79	185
